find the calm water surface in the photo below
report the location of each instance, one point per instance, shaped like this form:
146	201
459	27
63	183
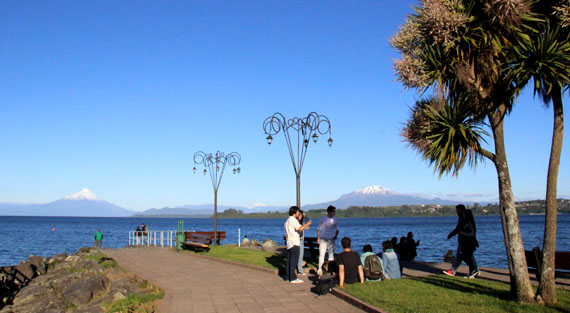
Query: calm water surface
46	236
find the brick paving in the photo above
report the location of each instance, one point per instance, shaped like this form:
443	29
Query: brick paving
192	283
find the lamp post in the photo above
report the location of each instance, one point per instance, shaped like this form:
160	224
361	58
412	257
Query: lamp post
307	129
216	164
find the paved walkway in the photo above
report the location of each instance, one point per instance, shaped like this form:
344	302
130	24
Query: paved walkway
192	283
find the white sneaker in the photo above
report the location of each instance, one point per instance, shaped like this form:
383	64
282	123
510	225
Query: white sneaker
297	281
301	274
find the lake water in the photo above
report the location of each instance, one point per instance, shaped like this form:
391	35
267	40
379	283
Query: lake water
22	236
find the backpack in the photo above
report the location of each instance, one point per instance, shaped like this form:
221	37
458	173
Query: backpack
373	268
324	285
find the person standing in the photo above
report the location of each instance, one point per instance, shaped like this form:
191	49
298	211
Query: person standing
292	233
301	218
144	230
349	265
326	236
98	239
412	246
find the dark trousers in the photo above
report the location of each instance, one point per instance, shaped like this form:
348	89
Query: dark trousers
292	260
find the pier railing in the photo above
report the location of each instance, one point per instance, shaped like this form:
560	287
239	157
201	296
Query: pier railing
163	238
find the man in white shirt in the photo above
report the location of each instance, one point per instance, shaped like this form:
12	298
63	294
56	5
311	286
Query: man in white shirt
326	236
292	230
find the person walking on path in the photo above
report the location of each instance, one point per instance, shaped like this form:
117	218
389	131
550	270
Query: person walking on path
349	265
301	218
467	242
292	232
326	236
98	239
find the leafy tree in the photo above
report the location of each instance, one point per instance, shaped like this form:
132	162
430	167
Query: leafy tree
544	57
460	50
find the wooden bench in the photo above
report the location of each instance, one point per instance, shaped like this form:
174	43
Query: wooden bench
561	263
201	240
311	245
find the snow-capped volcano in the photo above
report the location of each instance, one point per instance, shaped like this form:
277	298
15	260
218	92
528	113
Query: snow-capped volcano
376	196
84	194
373	190
83	203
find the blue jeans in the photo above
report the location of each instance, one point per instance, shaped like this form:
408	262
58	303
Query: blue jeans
471	262
301	255
292	260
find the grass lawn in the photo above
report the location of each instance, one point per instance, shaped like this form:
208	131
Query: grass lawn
265	259
437	293
447	294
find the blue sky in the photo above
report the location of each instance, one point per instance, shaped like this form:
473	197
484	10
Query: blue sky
117	96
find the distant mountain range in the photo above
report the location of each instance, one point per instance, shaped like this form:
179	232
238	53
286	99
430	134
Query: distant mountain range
83	203
369	196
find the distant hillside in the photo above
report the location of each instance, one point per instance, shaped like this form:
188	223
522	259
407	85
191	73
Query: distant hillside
523	208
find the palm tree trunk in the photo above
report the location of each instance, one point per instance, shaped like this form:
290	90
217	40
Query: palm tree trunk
546	288
520	281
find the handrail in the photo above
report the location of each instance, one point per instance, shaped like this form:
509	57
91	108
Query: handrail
152	238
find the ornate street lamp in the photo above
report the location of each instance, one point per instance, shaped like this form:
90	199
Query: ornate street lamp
306	128
216	164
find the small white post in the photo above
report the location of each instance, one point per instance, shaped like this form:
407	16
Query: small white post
239	237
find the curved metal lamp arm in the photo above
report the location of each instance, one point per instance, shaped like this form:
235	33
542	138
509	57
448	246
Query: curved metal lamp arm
216	164
307	128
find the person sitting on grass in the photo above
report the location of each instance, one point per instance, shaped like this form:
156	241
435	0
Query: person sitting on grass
390	261
349	265
372	265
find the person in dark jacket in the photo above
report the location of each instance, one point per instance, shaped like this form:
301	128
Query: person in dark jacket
467	242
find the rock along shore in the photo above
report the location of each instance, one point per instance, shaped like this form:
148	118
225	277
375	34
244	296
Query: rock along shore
82	282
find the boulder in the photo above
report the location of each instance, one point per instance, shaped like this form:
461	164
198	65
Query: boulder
268	243
89	309
32	298
255	243
59	282
72	259
82	291
90	265
39	262
58	258
24	272
54	306
84	250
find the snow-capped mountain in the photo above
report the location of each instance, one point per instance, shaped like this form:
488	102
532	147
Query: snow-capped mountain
84	194
83	203
377	196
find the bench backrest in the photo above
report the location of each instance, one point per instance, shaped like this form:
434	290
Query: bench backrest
206	234
534	259
562	260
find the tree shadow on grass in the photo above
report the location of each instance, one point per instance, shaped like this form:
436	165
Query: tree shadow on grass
465	285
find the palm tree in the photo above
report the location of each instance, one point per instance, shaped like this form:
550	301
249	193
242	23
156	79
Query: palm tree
462	48
545	57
